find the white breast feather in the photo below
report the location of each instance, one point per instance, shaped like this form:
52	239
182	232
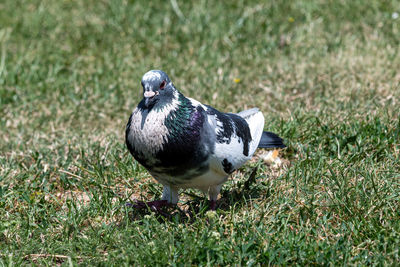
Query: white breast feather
151	138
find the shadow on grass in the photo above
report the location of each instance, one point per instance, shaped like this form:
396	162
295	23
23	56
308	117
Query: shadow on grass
198	206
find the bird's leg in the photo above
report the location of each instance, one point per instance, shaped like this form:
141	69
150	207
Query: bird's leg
170	194
213	193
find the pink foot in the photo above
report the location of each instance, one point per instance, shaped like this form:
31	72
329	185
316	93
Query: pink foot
213	204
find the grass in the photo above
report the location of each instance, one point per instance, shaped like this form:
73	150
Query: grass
324	73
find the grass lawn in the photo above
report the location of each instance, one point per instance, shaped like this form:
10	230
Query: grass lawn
325	73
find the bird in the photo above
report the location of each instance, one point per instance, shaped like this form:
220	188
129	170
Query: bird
184	144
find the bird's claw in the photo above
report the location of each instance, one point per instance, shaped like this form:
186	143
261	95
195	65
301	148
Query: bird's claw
152	205
213	205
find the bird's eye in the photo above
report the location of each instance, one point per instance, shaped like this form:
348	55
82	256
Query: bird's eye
162	85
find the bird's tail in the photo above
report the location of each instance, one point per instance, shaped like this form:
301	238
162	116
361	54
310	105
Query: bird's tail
270	140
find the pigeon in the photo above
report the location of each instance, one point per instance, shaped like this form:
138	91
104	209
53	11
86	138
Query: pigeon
183	143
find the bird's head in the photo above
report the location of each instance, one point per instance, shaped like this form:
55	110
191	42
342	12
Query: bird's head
156	87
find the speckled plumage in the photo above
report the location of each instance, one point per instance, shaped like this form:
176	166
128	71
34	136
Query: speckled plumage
185	144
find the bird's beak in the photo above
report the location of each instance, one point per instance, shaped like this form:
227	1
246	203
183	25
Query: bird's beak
149	94
149	97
